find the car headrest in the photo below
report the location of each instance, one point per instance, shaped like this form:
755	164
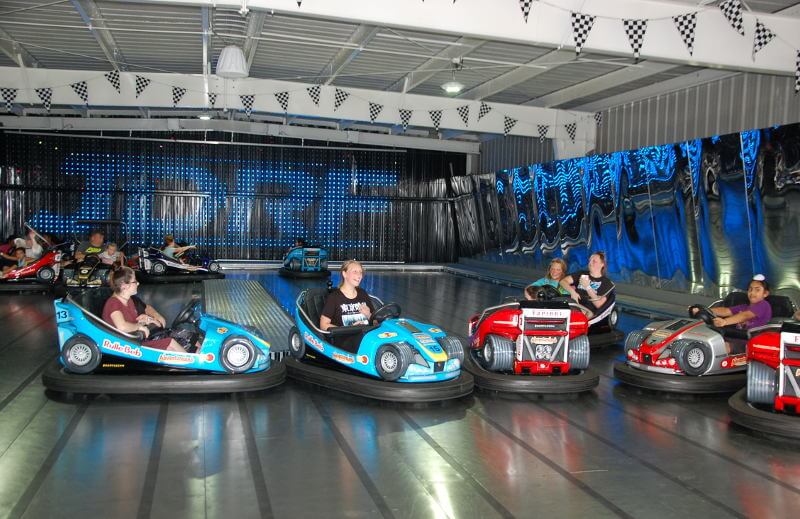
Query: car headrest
93	299
782	306
313	303
735	299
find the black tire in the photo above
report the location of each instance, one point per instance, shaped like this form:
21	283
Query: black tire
158	268
46	274
391	361
763	420
453	347
297	346
80	354
294	264
498	353
237	354
613	317
694	358
578	354
214	266
635	339
762	383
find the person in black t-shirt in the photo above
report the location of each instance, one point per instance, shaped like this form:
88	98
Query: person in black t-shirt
590	288
349	305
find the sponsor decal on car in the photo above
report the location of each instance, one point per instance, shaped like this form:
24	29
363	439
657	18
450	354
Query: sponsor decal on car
346	359
434	330
314	341
363	359
122	348
222	330
386	335
740	360
175	358
209	357
424	339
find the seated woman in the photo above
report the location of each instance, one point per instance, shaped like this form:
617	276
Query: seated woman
555	273
591	288
120	311
757	313
349	305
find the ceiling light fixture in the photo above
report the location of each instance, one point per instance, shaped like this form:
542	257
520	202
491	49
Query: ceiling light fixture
453	87
204	117
231	63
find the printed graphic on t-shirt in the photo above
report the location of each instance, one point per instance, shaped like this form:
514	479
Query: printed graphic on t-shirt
351	314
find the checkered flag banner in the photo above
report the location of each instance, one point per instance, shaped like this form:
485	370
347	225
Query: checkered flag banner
113	78
82	89
581	25
177	95
796	76
463	111
313	93
436	117
374	110
571	129
339	97
598	118
141	84
508	124
46	95
283	100
9	94
483	110
732	9
405	117
247	102
762	37
212	99
542	129
686	24
635	30
525	5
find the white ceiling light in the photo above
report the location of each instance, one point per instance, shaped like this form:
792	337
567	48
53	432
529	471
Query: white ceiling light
231	63
204	117
453	87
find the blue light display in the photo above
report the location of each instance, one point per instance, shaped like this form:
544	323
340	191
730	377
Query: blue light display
693	151
750	141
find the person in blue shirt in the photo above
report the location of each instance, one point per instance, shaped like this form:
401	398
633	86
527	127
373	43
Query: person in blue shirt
555	273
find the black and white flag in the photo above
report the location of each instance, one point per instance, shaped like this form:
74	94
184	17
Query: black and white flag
542	129
9	94
374	110
686	24
339	97
635	30
762	37
571	129
436	117
113	78
212	99
796	75
283	100
732	9
405	117
313	93
247	102
483	110
46	95
525	5
581	25
508	124
141	84
463	111
177	95
82	89
598	118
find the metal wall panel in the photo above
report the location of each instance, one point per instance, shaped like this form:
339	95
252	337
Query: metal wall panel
509	152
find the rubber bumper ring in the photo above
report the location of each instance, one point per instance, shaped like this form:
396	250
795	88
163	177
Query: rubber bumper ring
535	384
600	340
147	279
762	420
299	274
710	384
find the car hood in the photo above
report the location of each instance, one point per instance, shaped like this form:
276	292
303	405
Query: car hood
665	332
420	336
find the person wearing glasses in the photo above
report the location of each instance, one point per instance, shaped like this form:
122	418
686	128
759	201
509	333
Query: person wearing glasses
122	312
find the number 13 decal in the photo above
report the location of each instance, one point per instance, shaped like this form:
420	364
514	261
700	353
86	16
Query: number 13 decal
62	315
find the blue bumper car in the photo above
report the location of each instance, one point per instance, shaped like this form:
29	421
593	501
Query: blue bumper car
156	267
394	359
95	357
305	262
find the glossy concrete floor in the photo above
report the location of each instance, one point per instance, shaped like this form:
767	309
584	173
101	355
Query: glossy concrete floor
301	452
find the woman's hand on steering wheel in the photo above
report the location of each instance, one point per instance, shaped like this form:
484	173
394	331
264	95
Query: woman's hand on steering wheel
387	311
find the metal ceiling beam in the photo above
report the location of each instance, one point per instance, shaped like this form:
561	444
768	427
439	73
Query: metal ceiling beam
517	75
361	37
16	51
599	84
433	66
207	34
93	18
255	24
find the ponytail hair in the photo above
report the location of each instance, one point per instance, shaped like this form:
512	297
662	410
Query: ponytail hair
119	277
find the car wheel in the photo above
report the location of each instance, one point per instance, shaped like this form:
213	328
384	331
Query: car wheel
214	266
80	354
761	383
498	353
391	362
238	354
578	354
694	358
297	345
294	264
158	268
613	317
635	339
46	274
453	348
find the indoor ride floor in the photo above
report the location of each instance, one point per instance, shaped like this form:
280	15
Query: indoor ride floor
295	451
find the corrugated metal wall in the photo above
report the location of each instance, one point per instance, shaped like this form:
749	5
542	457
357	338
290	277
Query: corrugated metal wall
514	151
728	105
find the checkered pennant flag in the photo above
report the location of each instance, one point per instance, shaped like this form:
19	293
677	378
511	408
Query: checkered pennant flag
82	89
542	129
9	94
571	129
635	30
686	24
598	118
405	117
483	110
796	76
247	102
762	37
581	25
313	93
463	111
177	95
436	117
508	124
525	5
212	99
141	84
113	78
732	9
374	111
46	95
339	97
283	99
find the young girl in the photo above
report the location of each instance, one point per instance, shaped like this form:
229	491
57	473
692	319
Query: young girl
349	305
555	273
593	287
757	313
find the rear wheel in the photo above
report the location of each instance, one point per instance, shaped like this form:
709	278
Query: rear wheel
158	268
761	383
498	353
635	339
391	362
214	266
80	354
294	264
694	358
296	344
578	354
453	348
238	354
46	274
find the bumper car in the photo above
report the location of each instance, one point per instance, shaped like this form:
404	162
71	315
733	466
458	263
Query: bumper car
91	272
38	276
770	403
692	355
603	324
95	357
396	359
538	346
156	267
305	262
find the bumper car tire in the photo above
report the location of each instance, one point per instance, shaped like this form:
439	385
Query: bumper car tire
761	383
46	274
392	361
80	354
498	353
708	384
238	354
453	347
297	346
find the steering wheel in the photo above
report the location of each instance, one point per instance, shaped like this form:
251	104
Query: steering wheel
703	312
187	314
387	311
546	292
91	260
157	332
